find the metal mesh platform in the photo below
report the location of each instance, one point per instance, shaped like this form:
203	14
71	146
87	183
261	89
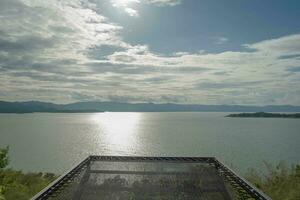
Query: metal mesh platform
151	178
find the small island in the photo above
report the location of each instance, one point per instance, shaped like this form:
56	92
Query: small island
265	115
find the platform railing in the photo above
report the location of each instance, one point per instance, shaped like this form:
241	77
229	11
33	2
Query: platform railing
245	189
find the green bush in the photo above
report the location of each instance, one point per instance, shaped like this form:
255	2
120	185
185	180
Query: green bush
280	182
18	185
4	157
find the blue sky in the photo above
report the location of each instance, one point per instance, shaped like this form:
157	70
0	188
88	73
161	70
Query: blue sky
176	51
195	25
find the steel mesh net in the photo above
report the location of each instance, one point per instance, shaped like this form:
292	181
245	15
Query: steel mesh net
130	180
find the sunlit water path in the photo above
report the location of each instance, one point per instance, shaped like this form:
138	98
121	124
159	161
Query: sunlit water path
54	142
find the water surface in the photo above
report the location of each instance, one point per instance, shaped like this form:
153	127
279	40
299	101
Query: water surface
54	142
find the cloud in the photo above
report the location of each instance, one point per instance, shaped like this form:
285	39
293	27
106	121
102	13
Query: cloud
34	43
125	68
132	12
165	2
68	50
221	40
297	56
102	51
283	46
229	85
126	6
293	69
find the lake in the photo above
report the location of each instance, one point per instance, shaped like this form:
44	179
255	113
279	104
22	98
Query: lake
52	142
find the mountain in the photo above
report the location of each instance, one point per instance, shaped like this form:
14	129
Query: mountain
36	106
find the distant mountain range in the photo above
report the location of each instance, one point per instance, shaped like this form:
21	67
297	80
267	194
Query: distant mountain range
36	106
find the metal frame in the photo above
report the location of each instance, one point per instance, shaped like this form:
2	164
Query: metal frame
244	188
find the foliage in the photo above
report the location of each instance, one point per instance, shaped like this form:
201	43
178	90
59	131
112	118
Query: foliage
4	157
266	115
3	164
18	185
280	182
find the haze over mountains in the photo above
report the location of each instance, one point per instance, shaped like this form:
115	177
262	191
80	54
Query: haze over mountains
36	106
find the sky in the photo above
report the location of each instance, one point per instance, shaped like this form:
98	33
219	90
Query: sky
244	52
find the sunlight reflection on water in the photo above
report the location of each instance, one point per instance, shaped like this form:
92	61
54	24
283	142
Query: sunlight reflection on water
121	129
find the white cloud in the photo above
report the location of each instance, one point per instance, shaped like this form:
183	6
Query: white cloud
287	45
165	2
126	6
221	40
132	12
57	47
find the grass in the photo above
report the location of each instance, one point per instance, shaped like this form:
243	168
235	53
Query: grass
280	182
18	185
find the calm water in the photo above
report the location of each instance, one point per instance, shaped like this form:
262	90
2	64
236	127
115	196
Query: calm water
54	142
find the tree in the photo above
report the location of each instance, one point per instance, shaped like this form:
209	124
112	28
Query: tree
4	157
3	163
